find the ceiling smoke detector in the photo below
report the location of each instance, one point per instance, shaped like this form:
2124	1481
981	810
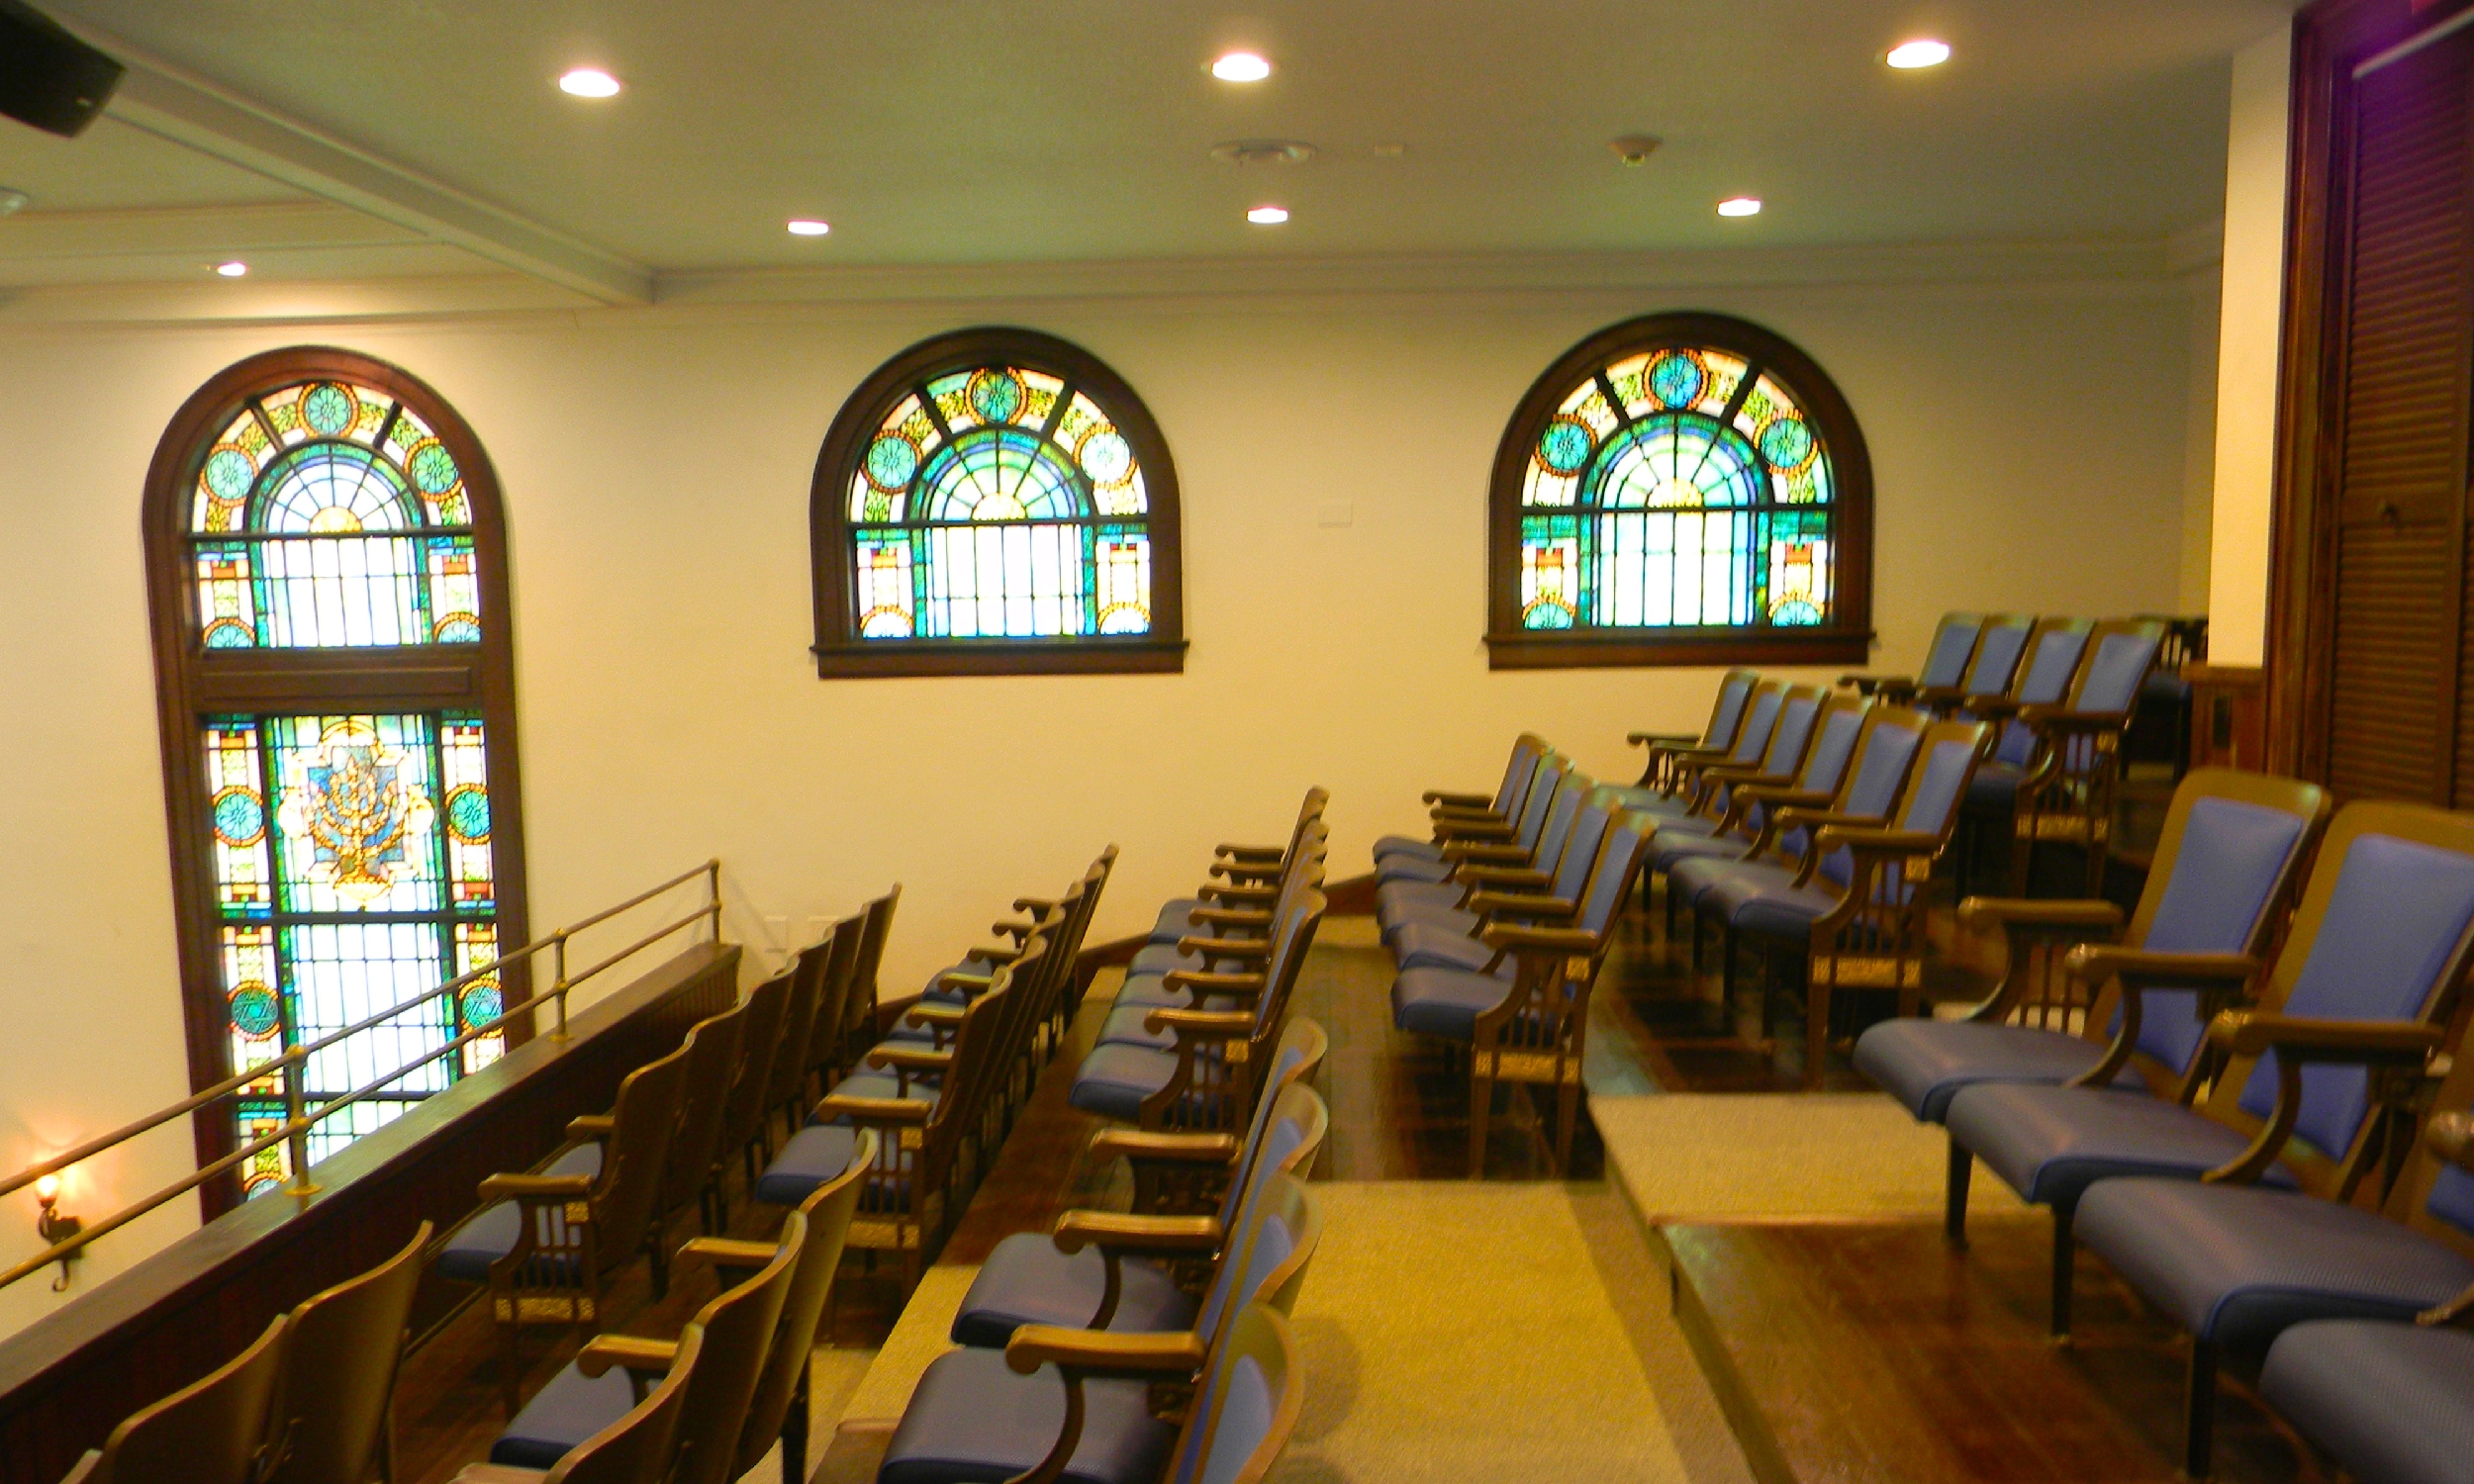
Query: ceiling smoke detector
13	200
1635	148
1262	152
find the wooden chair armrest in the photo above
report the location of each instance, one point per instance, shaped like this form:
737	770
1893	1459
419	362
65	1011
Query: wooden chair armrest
1555	940
630	1352
590	1126
1504	876
536	1187
1225	948
1875	839
1655	740
1461	800
865	1110
1212	983
1230	916
1104	1352
1745	776
947	1016
1867	684
1984	913
728	1254
1167	1236
1221	893
1205	1025
909	1058
1491	852
1783	797
1253	852
1033	904
1240	871
1460	831
965	981
2251	1032
2092	964
999	953
1522	904
1166	1146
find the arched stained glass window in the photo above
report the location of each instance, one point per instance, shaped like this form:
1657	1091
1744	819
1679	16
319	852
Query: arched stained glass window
996	502
331	625
1683	488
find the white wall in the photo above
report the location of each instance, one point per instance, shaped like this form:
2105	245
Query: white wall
2028	440
2251	329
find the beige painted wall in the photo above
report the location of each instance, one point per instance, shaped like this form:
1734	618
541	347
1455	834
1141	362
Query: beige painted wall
2250	326
2029	442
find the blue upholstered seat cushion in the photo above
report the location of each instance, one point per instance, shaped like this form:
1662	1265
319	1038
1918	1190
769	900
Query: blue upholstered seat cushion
1996	784
1447	1001
1412	868
1440	943
972	1421
1753	896
1406	845
2237	1265
2050	1144
1924	1062
813	1155
1152	991
1028	1282
1655	803
1395	900
570	1409
871	1083
1115	1079
492	1235
1692	874
1670	849
1124	1025
2393	1403
1176	920
1156	958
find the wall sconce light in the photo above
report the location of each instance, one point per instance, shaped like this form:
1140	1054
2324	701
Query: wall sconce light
53	1227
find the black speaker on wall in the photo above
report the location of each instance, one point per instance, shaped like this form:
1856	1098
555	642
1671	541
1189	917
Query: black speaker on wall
48	77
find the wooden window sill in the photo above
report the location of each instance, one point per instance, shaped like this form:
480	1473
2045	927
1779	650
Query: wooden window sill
1603	649
894	658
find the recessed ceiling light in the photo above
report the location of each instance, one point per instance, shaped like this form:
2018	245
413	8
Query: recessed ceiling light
1267	216
1241	66
13	200
1740	205
233	269
1923	52
589	83
807	226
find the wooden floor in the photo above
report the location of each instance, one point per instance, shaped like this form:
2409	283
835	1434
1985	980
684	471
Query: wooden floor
1874	1351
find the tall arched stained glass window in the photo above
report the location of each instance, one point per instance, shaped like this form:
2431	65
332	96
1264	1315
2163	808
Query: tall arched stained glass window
331	628
1683	489
996	502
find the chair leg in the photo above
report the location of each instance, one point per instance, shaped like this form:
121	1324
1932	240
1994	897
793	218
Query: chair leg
2065	1271
1962	1168
794	1432
2199	1410
1481	1105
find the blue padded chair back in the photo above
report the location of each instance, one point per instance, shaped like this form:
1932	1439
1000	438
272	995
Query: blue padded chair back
1581	853
1553	774
1879	770
1731	693
2452	1198
2113	675
1942	777
2232	857
1248	1401
1997	656
1753	739
1826	764
1794	729
1952	642
1240	1423
1269	1141
2391	928
1261	1243
1560	816
1606	880
2050	668
1526	751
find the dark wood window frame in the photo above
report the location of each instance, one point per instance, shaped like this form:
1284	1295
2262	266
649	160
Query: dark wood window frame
193	681
841	653
1847	639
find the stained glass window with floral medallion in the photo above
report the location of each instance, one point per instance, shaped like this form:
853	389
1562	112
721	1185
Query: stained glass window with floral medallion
999	492
337	549
1683	481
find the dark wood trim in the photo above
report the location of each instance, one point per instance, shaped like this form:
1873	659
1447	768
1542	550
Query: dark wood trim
838	649
1002	657
2329	38
68	1378
191	681
1536	649
1511	647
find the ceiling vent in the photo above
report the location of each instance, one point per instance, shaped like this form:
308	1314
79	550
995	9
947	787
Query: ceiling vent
1262	152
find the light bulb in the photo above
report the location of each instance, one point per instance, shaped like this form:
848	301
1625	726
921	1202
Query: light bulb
1267	216
1921	52
589	83
807	226
47	1189
1740	205
1241	66
233	269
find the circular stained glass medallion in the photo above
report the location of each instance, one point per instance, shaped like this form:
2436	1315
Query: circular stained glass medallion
481	1003
1106	457
432	467
1795	610
892	460
328	409
255	1013
239	816
229	474
1565	445
1787	444
456	628
996	394
468	813
229	633
1677	378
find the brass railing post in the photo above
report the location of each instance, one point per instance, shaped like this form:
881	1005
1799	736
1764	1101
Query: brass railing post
296	1136
558	988
713	874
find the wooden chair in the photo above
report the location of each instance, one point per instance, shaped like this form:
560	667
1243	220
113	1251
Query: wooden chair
861	1003
330	1419
1244	874
211	1432
638	1448
1456	838
2373	958
739	1328
833	1011
1183	1174
713	1052
767	1009
1773	765
1726	717
1504	804
2068	791
2001	643
779	1410
547	1244
786	1083
1226	919
2057	651
1679	786
1579	801
1944	661
985	1414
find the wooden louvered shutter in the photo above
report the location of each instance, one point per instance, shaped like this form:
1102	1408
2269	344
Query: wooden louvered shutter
2395	722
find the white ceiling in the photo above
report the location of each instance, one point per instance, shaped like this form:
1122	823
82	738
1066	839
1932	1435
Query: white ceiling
997	131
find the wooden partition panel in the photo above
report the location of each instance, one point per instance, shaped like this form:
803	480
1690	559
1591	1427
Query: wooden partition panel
68	1378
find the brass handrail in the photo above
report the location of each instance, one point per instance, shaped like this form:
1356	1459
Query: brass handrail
297	1123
